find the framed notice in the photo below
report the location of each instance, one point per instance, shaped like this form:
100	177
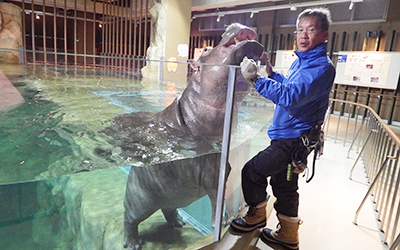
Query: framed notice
369	69
283	61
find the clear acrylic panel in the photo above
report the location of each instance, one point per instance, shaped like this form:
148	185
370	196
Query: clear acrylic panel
66	161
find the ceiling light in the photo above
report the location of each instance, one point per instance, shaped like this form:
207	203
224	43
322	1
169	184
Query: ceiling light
292	7
351	6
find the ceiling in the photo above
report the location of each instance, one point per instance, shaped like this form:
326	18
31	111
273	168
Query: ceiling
202	5
229	7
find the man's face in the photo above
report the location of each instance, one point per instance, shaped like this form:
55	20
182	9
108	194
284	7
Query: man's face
309	34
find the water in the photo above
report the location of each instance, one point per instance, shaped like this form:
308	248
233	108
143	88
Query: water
57	192
61	119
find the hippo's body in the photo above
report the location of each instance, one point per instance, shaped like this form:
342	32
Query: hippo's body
197	115
167	186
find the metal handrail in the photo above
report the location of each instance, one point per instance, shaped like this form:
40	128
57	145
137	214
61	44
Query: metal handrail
376	179
380	155
369	109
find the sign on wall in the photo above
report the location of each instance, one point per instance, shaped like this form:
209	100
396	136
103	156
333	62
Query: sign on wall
370	69
284	58
362	68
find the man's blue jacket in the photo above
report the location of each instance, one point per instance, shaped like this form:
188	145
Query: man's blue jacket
302	96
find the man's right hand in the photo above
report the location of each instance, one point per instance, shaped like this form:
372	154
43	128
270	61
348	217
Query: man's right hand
249	70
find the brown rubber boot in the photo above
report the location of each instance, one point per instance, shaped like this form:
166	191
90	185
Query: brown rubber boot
254	218
287	233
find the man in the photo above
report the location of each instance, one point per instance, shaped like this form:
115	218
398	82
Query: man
301	99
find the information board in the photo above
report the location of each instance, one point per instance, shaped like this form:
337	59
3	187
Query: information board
369	69
284	58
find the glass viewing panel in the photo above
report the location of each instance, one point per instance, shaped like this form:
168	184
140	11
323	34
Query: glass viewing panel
66	161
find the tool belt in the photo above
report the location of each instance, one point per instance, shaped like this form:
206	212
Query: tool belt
311	140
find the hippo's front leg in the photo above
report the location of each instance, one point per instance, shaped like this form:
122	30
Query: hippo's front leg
131	235
173	218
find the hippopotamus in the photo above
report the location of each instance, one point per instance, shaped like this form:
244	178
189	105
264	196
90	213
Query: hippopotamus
200	109
196	117
167	186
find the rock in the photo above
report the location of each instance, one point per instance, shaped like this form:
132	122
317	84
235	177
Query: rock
10	32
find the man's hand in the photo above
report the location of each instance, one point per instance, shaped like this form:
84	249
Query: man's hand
249	70
268	66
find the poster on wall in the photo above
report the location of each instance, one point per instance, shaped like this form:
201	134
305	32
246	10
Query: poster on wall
284	58
369	69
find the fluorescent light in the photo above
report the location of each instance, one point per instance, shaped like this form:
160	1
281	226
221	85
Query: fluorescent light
351	6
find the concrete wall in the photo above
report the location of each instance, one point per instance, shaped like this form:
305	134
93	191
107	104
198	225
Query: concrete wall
169	41
177	34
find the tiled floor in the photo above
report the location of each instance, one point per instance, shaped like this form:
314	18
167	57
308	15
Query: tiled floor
327	207
328	204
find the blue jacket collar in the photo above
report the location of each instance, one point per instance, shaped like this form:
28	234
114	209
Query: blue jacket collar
320	50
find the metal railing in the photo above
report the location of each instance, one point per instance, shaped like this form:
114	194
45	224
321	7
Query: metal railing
379	148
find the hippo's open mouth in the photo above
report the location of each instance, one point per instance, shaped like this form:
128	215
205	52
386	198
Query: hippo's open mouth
237	40
236	33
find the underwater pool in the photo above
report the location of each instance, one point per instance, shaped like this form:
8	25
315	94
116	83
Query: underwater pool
62	179
63	113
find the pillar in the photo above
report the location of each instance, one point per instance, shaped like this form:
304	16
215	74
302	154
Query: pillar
169	40
10	32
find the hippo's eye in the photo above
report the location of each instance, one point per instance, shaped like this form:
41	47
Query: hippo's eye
207	50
